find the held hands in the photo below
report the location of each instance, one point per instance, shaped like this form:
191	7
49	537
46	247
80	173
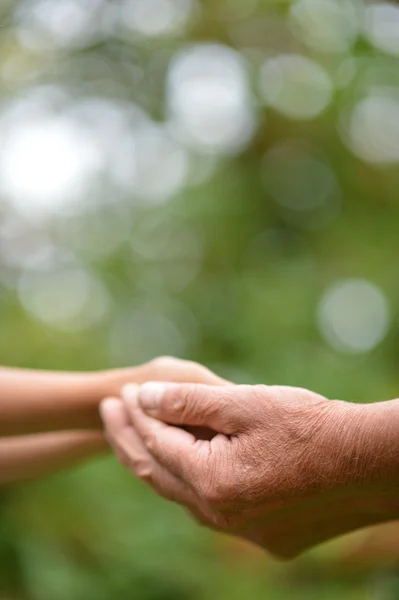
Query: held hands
50	420
283	468
280	466
42	401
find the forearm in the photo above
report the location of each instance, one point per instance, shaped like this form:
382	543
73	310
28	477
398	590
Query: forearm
40	401
29	457
355	478
351	464
378	452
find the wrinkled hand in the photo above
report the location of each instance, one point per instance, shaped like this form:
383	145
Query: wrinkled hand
276	471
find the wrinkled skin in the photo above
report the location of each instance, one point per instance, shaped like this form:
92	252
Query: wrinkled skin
284	467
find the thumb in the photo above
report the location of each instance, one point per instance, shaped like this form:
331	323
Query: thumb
215	407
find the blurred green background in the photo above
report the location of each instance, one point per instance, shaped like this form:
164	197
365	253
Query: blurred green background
216	180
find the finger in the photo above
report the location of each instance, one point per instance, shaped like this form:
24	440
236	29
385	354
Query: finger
125	440
171	487
115	418
173	447
131	452
167	368
137	458
218	408
202	433
114	414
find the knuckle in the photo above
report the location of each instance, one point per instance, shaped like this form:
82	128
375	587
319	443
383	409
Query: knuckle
149	442
167	363
200	372
143	470
187	401
261	393
139	464
123	459
221	522
174	403
218	492
191	393
261	400
220	405
205	403
162	360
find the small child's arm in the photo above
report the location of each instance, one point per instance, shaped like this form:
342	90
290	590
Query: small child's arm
50	420
41	401
32	456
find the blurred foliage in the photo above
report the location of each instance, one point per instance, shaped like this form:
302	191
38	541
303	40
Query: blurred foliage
216	180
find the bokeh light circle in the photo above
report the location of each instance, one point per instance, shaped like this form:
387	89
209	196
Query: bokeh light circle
326	25
209	100
296	86
381	26
153	18
353	316
69	298
372	129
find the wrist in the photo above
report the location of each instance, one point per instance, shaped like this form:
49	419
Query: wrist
109	383
87	391
380	422
362	442
98	385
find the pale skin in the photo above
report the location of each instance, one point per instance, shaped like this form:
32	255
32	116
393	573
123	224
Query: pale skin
49	421
285	468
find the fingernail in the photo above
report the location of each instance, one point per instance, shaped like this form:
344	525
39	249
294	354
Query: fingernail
106	405
129	393
150	396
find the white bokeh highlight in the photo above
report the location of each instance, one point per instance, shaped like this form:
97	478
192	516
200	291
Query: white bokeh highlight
381	27
45	164
70	23
69	298
154	166
372	129
295	86
153	18
25	247
148	330
326	25
56	153
353	316
140	157
209	100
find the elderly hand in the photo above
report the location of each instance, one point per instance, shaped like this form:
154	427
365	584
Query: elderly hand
286	468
